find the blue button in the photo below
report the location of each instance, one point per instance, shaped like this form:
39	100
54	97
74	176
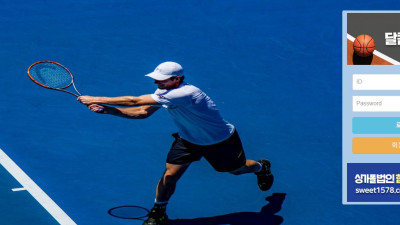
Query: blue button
376	125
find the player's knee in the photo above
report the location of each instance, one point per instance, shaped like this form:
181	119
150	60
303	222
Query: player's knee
170	177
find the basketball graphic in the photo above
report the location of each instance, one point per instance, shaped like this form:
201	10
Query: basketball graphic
364	45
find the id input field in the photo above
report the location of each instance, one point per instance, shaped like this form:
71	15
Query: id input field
376	82
376	103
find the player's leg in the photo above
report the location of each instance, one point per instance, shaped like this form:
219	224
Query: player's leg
229	156
166	185
180	156
251	166
262	169
165	189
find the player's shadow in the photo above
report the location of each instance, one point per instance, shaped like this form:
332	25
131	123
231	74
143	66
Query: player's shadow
266	216
358	60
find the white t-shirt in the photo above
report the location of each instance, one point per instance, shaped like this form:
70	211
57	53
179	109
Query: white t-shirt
195	114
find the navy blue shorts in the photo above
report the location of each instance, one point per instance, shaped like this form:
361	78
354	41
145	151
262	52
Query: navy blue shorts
225	156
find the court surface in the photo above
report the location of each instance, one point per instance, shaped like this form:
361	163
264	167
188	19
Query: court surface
274	70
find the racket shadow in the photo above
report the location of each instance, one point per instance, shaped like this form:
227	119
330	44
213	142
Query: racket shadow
131	212
266	216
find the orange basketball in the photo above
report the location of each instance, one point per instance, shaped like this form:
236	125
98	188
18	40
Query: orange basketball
364	45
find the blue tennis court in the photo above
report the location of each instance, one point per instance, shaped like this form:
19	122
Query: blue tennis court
273	69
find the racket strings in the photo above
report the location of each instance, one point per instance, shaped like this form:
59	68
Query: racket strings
51	75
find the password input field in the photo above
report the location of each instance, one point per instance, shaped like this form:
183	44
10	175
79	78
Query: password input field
376	82
376	103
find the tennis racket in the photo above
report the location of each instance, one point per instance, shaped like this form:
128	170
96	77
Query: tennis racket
52	75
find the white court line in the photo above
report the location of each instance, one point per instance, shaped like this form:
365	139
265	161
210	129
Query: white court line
28	184
377	53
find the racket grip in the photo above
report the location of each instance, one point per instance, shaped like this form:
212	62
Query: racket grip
100	110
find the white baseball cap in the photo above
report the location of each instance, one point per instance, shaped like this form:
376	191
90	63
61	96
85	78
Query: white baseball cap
166	70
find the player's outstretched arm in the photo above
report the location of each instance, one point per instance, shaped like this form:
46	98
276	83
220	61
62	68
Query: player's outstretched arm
119	101
140	112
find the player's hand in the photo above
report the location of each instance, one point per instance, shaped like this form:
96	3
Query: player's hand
97	108
87	100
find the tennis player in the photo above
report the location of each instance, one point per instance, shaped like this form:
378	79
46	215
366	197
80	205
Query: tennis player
202	132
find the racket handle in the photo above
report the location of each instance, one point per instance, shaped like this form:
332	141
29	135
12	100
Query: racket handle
100	110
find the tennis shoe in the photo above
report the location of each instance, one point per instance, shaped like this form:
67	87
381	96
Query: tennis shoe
265	179
157	216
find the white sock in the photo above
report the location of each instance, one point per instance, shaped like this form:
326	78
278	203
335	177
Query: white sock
160	203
